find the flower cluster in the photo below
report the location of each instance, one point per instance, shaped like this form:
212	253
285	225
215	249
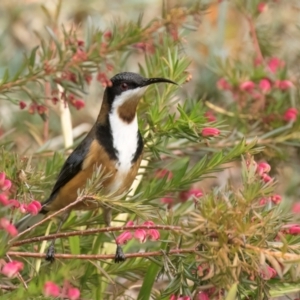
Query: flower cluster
67	292
263	89
140	234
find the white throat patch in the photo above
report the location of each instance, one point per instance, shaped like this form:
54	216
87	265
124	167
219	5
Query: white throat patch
125	135
133	94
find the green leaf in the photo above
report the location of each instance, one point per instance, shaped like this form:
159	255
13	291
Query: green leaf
232	292
32	56
54	38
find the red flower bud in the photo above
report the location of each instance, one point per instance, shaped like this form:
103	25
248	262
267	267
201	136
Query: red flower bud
22	104
210	131
276	199
263	167
261	7
6	185
247	86
51	289
210	116
291	115
73	293
140	234
283	84
12	268
223	85
274	64
124	237
294	230
265	86
266	178
79	104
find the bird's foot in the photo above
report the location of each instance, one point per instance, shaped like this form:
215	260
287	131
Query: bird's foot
50	255
119	257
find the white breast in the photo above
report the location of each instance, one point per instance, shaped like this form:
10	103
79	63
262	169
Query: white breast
125	141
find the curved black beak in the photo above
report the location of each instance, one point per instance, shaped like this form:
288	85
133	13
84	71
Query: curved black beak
157	80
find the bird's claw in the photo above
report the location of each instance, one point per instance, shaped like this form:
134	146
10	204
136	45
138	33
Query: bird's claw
50	255
119	257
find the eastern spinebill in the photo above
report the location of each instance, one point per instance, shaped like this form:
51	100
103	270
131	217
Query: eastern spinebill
114	143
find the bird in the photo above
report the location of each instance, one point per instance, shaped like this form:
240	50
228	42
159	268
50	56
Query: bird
114	144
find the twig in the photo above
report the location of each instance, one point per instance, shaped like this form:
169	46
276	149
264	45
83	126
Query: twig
92	231
254	38
101	256
7	287
79	199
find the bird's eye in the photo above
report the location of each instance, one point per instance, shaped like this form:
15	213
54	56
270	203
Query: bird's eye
124	86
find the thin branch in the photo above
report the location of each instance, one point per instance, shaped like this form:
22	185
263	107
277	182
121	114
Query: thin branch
93	231
8	287
254	38
79	199
101	256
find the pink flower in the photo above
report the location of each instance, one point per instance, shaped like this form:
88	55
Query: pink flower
291	115
167	200
261	7
268	273
265	85
51	289
23	208
276	199
11	230
153	234
263	167
283	84
22	104
266	178
34	207
274	64
8	227
3	199
107	35
140	234
73	293
4	223
124	237
210	116
296	208
148	223
247	86
202	296
161	173
14	203
12	268
210	131
294	230
223	85
263	201
79	104
184	298
190	194
6	185
173	297
130	223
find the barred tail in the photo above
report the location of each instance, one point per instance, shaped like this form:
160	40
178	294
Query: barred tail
28	221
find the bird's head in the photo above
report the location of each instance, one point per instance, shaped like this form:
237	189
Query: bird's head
125	92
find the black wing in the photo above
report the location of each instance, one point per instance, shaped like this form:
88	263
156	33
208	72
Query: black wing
71	166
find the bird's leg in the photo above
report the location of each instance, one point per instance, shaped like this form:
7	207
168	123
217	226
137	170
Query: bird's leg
50	254
119	257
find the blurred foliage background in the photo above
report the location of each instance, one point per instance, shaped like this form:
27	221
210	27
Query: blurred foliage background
207	41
